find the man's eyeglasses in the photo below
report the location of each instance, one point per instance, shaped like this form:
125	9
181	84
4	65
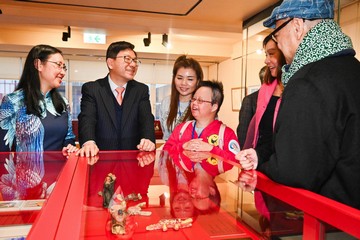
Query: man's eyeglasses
59	65
129	60
199	100
276	31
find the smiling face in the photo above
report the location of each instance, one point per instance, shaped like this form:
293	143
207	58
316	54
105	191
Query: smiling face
51	72
182	205
201	108
185	83
273	56
120	71
200	190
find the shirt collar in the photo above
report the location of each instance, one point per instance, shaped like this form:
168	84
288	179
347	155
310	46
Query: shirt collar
113	86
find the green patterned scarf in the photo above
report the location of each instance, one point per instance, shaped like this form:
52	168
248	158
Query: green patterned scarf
324	39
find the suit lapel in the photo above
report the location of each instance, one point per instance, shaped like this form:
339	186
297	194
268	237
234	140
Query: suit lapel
107	98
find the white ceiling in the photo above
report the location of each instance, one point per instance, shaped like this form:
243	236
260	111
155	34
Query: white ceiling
214	22
205	27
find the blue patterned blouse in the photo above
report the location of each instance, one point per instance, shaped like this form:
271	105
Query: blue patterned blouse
29	133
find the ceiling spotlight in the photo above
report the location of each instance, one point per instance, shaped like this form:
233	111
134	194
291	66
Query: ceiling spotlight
66	35
147	40
165	40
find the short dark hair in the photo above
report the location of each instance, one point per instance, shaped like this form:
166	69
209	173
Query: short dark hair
115	47
217	89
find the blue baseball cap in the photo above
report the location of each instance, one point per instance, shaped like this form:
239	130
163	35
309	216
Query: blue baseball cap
305	9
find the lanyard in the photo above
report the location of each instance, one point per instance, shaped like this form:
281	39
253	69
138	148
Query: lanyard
179	112
193	132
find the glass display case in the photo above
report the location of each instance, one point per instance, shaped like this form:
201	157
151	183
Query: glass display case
27	182
148	195
158	195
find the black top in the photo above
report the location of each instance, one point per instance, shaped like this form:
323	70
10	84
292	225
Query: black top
264	144
266	123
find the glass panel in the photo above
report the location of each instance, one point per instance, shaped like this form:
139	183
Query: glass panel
146	193
76	99
26	181
7	86
270	217
162	91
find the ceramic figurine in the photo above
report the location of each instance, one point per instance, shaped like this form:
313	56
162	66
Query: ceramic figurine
175	223
108	190
136	210
118	218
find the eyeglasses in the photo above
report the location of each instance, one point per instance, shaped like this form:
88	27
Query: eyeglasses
129	60
277	30
199	100
199	198
60	65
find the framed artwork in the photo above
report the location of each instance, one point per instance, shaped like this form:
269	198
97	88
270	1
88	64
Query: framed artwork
237	95
252	89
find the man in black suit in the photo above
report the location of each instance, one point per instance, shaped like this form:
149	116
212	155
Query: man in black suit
116	120
247	111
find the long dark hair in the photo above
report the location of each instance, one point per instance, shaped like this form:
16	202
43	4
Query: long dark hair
281	61
30	81
182	62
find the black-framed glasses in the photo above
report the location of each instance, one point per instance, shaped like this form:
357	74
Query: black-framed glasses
60	65
273	34
129	60
199	100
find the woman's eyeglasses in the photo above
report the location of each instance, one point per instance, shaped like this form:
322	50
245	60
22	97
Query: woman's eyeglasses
60	65
200	101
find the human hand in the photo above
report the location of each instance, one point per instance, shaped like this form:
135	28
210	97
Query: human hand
89	149
145	158
92	159
69	149
248	159
146	145
247	180
196	156
197	145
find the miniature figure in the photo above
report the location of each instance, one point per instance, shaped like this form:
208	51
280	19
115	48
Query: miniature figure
175	223
133	197
122	222
108	190
136	210
118	218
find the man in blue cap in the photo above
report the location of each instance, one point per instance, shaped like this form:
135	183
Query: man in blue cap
317	132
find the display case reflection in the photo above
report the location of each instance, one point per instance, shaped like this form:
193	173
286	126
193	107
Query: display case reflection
121	188
22	177
275	218
190	177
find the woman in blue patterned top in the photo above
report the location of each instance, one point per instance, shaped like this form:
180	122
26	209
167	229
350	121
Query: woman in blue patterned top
35	117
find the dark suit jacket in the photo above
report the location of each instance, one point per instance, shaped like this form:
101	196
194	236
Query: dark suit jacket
97	119
247	111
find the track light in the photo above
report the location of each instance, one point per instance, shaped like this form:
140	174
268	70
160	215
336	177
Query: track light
66	35
147	40
165	40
